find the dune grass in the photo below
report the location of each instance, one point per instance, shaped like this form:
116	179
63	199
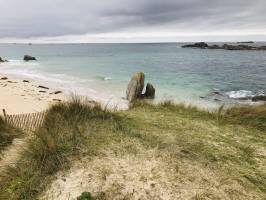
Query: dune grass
60	137
174	150
7	134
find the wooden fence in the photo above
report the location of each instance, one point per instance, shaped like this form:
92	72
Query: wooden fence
27	122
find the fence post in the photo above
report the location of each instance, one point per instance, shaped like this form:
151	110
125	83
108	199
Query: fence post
4	112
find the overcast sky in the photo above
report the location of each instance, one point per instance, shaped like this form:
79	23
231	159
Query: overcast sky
131	20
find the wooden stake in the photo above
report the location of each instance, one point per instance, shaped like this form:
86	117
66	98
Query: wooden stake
4	112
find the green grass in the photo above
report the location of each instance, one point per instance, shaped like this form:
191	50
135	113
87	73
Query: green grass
223	153
7	134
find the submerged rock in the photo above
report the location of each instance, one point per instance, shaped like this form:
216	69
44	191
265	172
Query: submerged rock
135	86
28	58
149	92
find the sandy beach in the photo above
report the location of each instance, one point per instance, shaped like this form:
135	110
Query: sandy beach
28	96
25	96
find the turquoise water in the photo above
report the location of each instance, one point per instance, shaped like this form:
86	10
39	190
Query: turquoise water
182	75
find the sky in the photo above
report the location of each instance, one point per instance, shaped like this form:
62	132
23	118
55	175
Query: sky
57	21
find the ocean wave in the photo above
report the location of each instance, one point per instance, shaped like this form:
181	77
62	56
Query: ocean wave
238	94
21	63
104	78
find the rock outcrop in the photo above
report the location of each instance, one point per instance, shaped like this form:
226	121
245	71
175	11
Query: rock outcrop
199	45
238	47
135	86
149	92
203	45
1	60
28	58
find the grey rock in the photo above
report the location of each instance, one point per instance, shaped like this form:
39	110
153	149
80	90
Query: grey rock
28	58
200	45
240	46
135	86
149	92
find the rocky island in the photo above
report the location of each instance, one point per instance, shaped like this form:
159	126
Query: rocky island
203	45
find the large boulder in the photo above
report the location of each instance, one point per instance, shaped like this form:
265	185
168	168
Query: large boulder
135	86
149	92
28	58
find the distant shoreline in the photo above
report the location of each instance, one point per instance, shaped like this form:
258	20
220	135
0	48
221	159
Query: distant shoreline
79	43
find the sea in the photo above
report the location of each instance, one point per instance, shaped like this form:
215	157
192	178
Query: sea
199	77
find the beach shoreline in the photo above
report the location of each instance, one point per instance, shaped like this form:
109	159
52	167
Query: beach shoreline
20	96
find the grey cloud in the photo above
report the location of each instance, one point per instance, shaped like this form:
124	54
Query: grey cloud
48	18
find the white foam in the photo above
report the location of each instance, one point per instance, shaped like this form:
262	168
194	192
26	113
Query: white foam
107	78
21	63
240	94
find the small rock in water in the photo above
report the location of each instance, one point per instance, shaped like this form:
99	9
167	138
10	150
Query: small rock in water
4	78
25	81
40	86
28	58
42	91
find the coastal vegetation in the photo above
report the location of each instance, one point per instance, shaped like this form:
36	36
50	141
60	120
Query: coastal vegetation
163	151
7	134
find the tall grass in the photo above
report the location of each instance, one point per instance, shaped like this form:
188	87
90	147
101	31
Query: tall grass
7	134
253	116
55	142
